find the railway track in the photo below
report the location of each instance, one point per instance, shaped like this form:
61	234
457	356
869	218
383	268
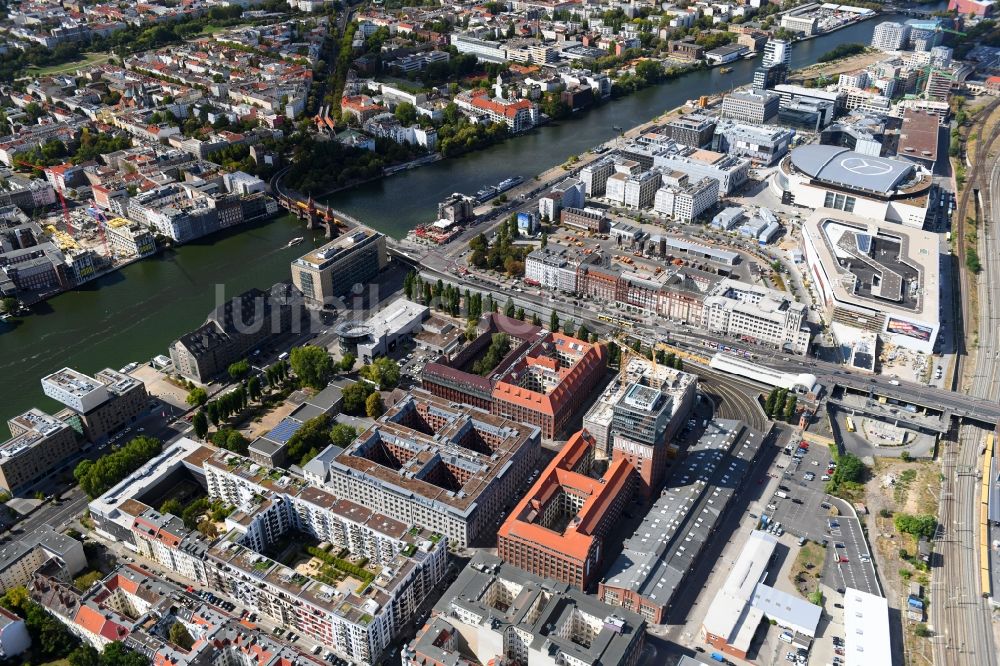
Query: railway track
961	617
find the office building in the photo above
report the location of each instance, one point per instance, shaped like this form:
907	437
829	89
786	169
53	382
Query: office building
541	381
494	611
731	171
558	528
234	329
764	315
777	52
902	305
757	107
694	130
428	461
634	191
802	23
765	78
918	138
38	446
762	144
556	267
644	419
61	555
745	600
595	176
891	36
106	403
685	201
588	219
567	194
330	272
384	331
657	559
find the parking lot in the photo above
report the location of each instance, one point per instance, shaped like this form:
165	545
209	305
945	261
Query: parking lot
805	512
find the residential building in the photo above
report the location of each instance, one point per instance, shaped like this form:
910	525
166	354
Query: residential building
483	49
456	208
765	78
106	403
129	239
519	115
757	107
558	528
854	79
891	36
742	310
14	637
61	555
428	461
494	611
330	272
38	446
234	329
692	129
658	557
777	52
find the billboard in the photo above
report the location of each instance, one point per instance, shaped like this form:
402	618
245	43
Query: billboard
909	329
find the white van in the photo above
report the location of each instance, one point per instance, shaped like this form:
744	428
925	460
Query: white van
782	494
785	636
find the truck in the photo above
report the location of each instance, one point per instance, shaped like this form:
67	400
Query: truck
782	494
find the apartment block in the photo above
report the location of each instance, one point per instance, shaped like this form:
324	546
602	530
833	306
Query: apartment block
595	176
558	528
494	611
60	555
39	444
428	461
328	273
684	201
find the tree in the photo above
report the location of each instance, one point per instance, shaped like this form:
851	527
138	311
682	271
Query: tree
180	636
312	365
554	322
116	654
383	371
374	407
253	388
237	443
849	469
213	413
347	362
8	304
354	397
95	477
85	655
569	328
309	440
342	435
200	423
509	309
197	397
545	240
583	332
172	506
239	369
790	404
536	320
919	526
519	314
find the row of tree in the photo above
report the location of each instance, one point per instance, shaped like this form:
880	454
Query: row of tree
97	476
780	404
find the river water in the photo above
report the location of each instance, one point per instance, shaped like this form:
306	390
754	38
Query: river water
133	314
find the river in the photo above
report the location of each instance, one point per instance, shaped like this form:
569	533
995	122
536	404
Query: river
133	314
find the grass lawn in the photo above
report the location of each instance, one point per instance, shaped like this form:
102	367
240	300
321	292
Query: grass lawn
211	29
87	60
808	564
57	662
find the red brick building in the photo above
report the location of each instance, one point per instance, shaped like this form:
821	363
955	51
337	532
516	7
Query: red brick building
558	529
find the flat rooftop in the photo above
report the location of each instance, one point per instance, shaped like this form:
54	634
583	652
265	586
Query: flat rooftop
904	260
422	432
335	250
918	136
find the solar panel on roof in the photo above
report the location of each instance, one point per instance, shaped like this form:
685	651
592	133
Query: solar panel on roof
283	432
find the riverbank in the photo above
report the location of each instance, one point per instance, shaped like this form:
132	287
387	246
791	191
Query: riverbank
134	313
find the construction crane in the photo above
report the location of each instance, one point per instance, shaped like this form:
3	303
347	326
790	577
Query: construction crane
62	200
101	220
